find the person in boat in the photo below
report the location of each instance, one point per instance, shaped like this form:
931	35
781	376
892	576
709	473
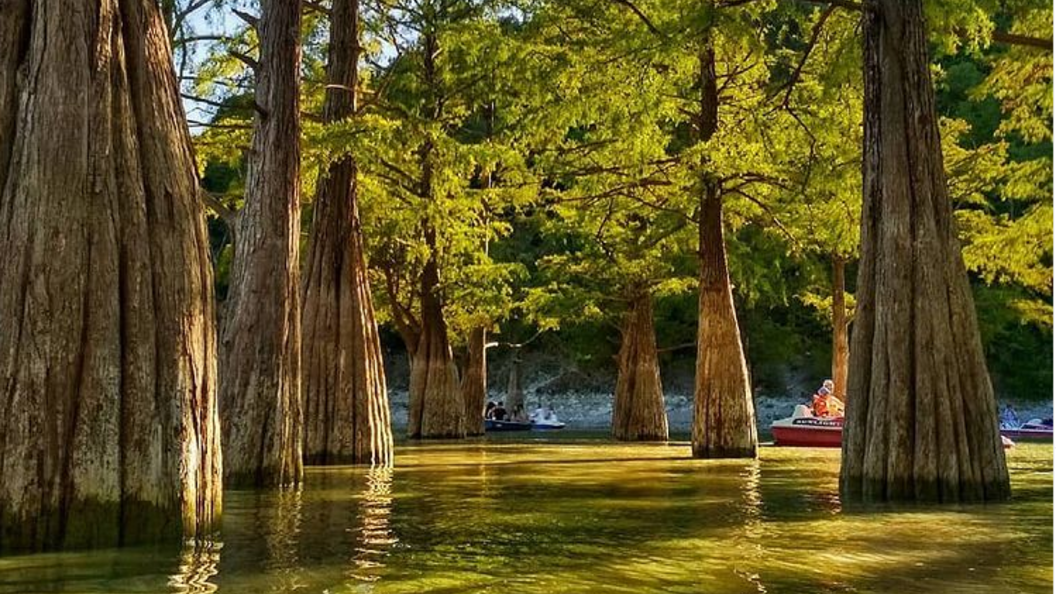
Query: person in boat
826	404
489	410
499	412
1009	419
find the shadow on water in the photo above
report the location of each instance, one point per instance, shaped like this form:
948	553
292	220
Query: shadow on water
545	516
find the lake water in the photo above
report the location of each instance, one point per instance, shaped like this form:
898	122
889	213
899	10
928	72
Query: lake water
581	514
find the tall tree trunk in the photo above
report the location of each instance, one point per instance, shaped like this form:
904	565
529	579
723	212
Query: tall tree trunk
922	422
346	404
108	424
638	412
436	405
723	411
840	347
475	381
514	387
260	388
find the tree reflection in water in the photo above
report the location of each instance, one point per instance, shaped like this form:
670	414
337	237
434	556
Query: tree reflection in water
375	536
198	565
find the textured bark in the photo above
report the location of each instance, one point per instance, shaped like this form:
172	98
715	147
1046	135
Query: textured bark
922	420
346	404
475	382
723	411
638	412
514	388
260	358
436	406
840	324
108	425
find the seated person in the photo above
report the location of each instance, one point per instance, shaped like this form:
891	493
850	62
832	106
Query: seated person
1009	419
489	410
823	403
499	412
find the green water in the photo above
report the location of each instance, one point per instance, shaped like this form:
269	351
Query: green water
584	515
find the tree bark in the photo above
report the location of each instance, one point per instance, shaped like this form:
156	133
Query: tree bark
108	426
346	403
436	406
514	389
723	410
638	412
922	422
840	325
260	388
475	382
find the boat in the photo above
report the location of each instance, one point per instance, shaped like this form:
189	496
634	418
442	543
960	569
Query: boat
1029	431
494	425
824	432
803	431
547	425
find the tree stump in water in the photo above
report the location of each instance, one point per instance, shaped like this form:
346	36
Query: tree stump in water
922	421
638	412
108	425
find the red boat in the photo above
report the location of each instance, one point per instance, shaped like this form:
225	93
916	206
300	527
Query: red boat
822	432
817	432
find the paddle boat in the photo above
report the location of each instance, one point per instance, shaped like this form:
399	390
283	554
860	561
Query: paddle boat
1034	429
803	429
547	425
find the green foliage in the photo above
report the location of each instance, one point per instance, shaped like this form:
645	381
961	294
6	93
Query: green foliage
548	157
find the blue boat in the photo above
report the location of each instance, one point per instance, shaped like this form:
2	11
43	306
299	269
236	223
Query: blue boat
493	425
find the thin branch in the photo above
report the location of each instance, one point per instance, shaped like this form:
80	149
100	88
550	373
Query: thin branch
245	59
228	216
641	15
1044	43
247	18
814	35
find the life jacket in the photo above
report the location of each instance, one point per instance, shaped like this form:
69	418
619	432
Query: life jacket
821	406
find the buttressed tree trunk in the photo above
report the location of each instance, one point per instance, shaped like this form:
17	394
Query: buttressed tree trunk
922	419
260	402
108	425
475	382
638	412
436	406
346	404
723	411
840	344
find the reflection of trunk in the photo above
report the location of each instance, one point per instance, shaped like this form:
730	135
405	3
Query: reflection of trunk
108	425
638	411
436	406
515	392
260	389
922	420
475	382
346	406
840	348
723	411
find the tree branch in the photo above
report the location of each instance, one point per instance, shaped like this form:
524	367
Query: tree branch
228	216
641	16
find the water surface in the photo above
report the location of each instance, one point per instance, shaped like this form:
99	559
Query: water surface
567	514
